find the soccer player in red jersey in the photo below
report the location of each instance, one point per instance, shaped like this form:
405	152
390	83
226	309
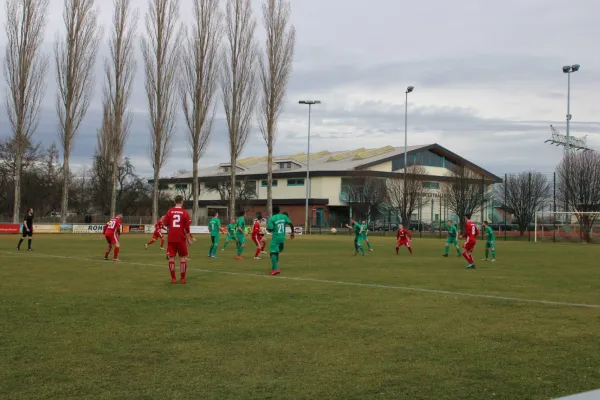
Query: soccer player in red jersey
178	221
112	231
403	238
470	235
159	226
258	236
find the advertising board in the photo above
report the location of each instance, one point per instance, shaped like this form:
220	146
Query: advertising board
136	228
88	229
67	228
46	228
199	229
10	228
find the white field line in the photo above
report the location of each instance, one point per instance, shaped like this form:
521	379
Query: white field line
331	282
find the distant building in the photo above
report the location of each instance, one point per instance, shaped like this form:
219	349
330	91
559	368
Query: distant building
330	175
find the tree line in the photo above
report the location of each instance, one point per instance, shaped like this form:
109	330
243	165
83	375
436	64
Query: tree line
185	65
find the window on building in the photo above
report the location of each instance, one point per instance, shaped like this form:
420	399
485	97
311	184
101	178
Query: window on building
431	185
250	188
264	183
163	187
295	182
181	186
225	169
285	165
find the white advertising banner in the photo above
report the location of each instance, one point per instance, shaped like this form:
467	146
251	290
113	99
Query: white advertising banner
88	228
149	229
199	229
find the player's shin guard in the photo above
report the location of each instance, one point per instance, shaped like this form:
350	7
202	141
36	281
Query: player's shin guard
182	269
467	257
172	269
447	250
116	256
274	261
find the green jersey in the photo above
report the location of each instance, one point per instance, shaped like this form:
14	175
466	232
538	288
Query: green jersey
357	229
240	226
489	233
231	229
452	232
365	228
214	226
277	224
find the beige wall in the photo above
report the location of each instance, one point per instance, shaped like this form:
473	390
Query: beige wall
383	167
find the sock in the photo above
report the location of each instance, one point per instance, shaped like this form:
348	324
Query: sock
108	249
362	250
274	264
257	252
29	243
458	251
162	243
210	251
182	268
397	249
19	245
262	248
446	250
466	256
410	250
369	245
151	241
493	254
487	253
471	261
117	252
240	250
225	245
172	268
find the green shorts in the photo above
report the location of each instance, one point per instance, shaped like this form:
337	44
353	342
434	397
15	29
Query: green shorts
230	238
215	239
241	239
490	244
451	241
276	246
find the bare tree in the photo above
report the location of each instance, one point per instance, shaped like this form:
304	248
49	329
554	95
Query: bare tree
579	184
75	56
25	69
405	199
119	70
238	80
245	190
160	49
524	193
367	195
200	61
465	192
275	70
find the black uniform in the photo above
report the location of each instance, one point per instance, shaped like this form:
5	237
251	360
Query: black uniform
28	221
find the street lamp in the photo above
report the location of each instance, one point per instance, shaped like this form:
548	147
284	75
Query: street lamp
567	69
310	104
408	90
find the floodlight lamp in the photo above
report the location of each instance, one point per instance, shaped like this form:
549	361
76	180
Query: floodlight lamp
566	69
410	89
575	67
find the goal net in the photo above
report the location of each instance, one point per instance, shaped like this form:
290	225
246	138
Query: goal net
576	227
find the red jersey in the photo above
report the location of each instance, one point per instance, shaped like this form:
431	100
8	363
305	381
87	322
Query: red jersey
113	226
159	226
403	235
178	222
256	228
471	231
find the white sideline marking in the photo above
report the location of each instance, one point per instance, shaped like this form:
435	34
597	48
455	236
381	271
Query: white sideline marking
358	284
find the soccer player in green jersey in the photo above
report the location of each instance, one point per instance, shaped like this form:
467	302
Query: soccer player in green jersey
490	242
365	234
214	225
230	233
452	239
240	234
276	225
357	236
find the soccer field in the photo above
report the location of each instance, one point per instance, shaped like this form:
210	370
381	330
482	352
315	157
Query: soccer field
331	326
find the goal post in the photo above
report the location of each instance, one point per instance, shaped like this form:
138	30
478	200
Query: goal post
562	226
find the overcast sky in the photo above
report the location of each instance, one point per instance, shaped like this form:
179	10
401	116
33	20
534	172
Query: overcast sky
487	76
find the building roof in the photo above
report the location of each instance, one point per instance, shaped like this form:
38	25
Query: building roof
326	162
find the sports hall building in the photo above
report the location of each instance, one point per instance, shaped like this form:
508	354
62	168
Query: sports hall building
330	174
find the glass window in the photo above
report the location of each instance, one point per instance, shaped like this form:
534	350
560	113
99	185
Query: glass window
264	183
295	182
431	185
181	186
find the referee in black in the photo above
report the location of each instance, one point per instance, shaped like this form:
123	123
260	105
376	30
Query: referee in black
27	230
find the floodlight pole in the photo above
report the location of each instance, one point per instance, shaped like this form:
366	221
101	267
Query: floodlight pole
307	184
408	90
567	69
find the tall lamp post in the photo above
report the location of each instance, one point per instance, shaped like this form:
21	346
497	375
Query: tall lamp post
310	103
567	69
408	90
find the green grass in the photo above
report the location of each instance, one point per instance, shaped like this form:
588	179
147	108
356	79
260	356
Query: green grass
78	328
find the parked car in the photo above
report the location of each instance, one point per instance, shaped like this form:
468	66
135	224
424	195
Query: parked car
384	226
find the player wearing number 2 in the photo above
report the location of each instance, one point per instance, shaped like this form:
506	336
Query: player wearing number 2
112	230
470	235
178	222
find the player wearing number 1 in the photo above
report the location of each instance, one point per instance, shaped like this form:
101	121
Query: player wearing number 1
178	222
470	234
490	242
276	225
112	230
214	225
